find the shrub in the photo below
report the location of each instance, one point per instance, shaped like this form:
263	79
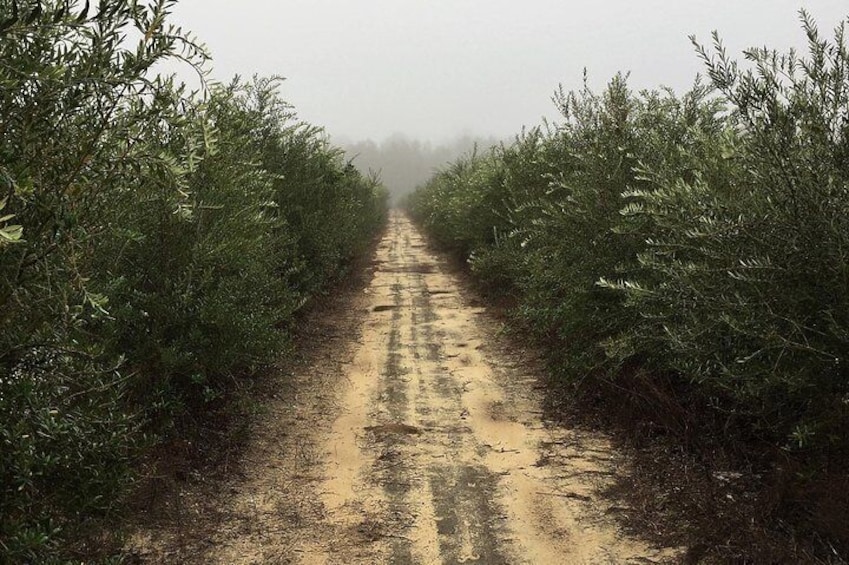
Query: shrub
686	257
155	247
745	271
73	101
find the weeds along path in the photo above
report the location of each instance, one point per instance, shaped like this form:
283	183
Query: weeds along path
437	453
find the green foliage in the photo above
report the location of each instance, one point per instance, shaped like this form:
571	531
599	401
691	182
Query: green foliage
155	246
685	253
745	269
457	206
73	96
545	220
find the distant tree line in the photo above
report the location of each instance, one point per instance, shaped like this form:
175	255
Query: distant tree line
403	163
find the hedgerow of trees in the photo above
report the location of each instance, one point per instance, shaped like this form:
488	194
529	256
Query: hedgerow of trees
688	254
155	246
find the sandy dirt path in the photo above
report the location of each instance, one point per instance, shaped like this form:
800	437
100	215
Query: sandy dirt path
430	449
439	454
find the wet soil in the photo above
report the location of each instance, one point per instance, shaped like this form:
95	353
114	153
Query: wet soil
417	438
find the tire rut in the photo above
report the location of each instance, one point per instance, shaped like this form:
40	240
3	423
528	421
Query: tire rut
439	455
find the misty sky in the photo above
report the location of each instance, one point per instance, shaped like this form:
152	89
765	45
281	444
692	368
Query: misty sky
434	69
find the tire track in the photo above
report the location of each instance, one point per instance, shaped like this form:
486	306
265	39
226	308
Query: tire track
439	455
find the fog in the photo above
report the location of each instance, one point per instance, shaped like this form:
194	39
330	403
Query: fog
415	77
403	163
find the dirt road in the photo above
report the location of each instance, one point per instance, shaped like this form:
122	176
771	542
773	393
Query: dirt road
429	448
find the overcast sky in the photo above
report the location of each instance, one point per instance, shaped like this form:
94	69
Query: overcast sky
434	69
